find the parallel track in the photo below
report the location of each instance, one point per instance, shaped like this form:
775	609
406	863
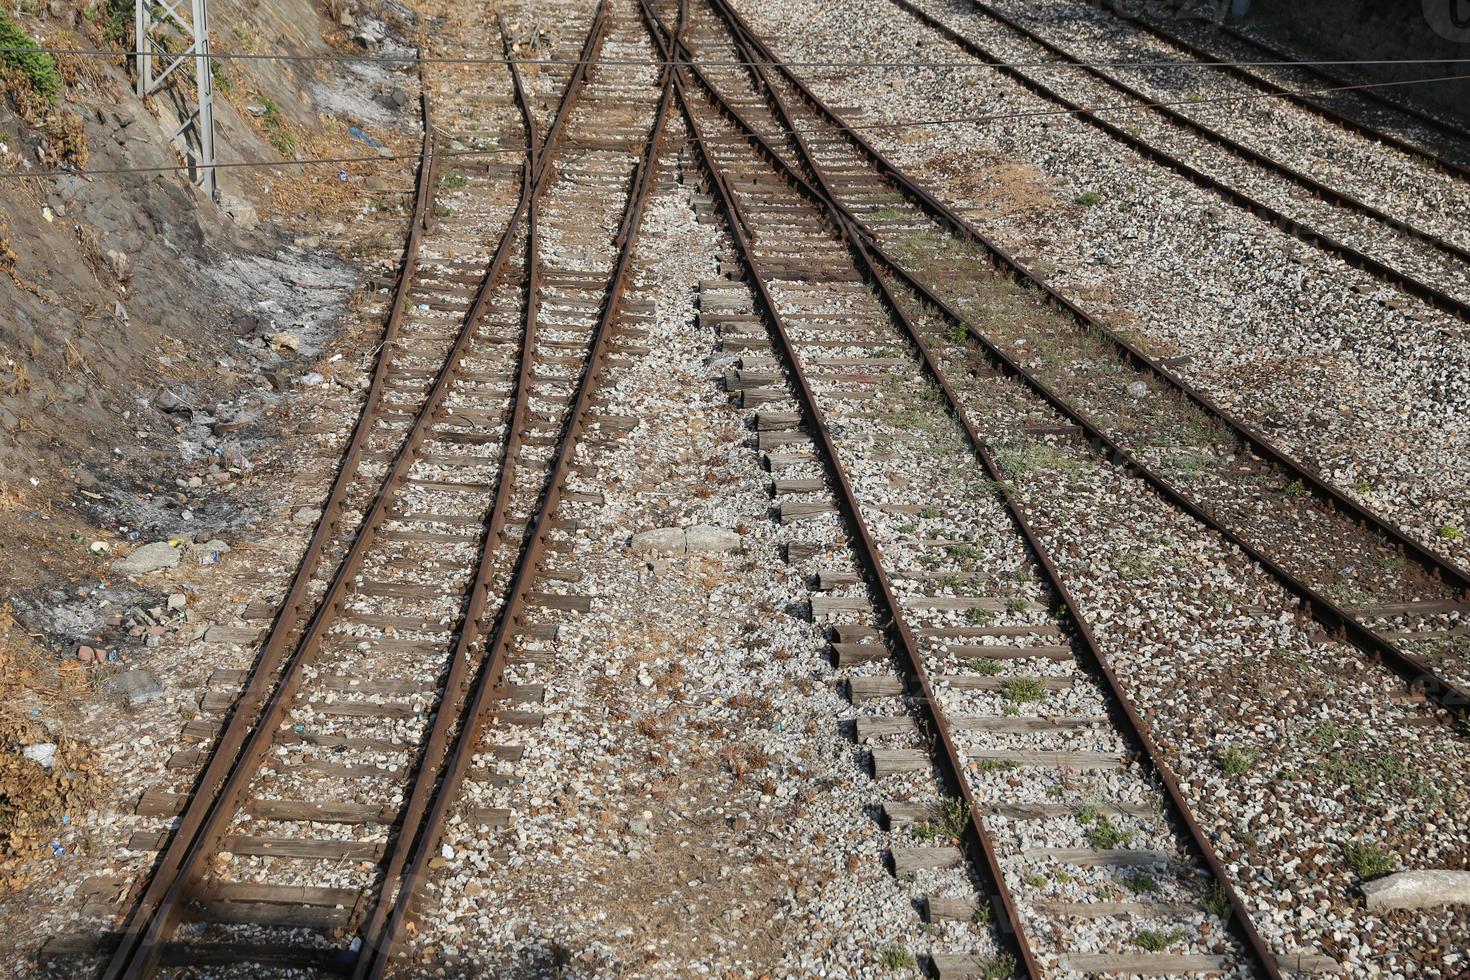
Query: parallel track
742	180
1346	251
1342	199
1315	106
1420	117
1445	577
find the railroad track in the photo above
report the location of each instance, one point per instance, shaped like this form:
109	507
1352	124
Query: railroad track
835	342
1316	210
364	740
1356	572
1452	162
740	105
1387	107
1423	264
479	409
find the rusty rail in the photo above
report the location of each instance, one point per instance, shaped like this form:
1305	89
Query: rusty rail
249	734
291	612
492	664
455	685
1132	724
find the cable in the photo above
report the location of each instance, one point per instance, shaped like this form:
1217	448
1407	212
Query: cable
244	164
413	59
906	124
1084	110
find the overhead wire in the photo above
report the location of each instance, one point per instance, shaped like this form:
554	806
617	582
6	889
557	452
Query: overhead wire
415	59
851	127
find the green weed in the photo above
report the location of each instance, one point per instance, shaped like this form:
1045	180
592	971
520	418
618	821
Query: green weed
1023	690
1236	761
1153	940
25	60
897	958
999	968
1142	883
1367	859
1217	902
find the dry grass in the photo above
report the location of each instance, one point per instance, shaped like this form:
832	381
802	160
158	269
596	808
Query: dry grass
742	760
8	255
1002	186
34	800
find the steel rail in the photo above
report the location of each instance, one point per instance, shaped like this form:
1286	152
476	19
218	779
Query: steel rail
205	819
1261	84
1436	565
979	845
978	840
1305	181
1353	256
1133	726
370	935
1420	116
492	664
292	609
1417	673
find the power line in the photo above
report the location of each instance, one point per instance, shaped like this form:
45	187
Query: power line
414	59
245	164
1137	106
906	124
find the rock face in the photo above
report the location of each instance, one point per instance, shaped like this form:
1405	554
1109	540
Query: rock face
1418	890
701	538
149	558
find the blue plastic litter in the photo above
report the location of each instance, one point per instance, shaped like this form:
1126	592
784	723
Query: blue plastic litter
358	134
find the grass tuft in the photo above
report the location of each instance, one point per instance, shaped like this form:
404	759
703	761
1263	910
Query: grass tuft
1236	761
1023	690
1153	940
1367	859
897	958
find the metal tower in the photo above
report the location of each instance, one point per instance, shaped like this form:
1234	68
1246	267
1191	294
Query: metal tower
161	26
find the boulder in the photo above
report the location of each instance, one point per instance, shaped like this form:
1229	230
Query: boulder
42	754
661	540
1418	890
240	211
701	538
704	537
149	558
